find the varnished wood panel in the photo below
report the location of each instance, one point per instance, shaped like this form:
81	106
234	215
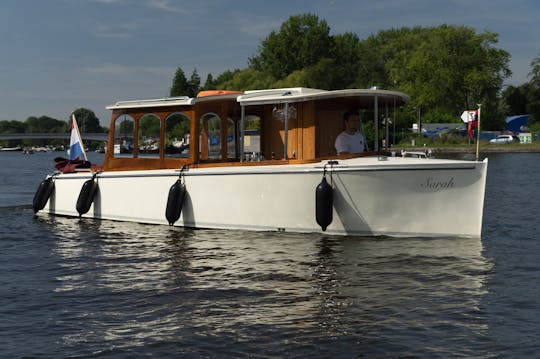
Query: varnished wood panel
329	124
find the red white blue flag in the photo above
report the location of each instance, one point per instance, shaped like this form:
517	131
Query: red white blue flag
76	147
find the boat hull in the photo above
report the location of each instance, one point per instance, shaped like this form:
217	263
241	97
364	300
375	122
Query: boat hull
391	196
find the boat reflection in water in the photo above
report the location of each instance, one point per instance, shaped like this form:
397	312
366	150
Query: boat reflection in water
136	285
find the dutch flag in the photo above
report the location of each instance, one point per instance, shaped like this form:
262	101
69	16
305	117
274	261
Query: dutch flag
76	148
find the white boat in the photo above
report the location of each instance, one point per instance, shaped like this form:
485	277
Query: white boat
10	149
273	182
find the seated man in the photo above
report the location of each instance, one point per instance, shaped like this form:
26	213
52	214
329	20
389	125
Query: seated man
350	140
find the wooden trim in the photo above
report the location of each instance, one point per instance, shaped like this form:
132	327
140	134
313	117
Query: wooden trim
132	164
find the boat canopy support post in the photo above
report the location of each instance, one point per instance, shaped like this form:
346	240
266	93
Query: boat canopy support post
376	122
242	127
478	133
286	132
394	125
386	134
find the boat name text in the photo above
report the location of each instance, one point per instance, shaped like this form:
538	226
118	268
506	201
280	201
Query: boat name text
432	184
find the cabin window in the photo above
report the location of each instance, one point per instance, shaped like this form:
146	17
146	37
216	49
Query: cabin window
252	138
177	140
123	136
210	137
148	136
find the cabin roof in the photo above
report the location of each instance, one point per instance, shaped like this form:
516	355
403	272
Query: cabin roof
299	94
275	96
168	101
176	101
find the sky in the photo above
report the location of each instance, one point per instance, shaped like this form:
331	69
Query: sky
60	55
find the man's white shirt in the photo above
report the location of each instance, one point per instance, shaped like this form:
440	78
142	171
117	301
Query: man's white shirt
350	143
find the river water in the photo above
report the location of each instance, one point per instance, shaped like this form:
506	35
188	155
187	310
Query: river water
102	289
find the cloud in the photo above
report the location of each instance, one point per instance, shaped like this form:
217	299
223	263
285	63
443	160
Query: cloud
106	31
162	5
123	70
167	6
255	27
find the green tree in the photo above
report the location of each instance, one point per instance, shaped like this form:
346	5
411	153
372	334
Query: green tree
180	86
525	99
533	93
323	75
382	57
177	126
12	127
194	84
515	99
125	128
149	126
447	68
210	84
86	120
225	77
534	74
248	79
301	42
45	124
346	56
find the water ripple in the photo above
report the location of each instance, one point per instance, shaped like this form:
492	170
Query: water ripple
103	289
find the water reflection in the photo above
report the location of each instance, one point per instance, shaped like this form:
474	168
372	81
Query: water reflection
389	290
138	285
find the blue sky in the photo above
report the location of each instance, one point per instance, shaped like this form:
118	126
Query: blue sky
59	55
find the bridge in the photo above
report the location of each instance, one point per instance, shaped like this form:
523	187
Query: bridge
90	136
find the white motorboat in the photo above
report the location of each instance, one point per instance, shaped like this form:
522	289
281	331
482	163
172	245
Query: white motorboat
265	160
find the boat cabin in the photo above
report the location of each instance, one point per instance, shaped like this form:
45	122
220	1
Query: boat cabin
228	127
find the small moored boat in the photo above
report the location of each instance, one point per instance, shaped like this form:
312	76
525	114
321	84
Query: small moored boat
265	160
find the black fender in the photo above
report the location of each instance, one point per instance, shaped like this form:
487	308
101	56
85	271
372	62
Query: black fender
324	202
175	201
43	193
86	196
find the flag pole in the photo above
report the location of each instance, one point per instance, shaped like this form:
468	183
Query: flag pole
478	133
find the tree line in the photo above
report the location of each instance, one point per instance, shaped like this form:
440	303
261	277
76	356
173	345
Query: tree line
86	120
445	69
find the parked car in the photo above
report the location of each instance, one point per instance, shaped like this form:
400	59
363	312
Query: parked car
502	139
